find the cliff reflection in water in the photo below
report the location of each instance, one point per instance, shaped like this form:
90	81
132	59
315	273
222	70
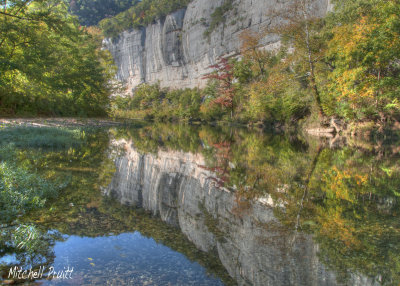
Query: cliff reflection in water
275	210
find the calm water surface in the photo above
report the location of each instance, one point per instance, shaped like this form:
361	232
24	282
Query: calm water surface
184	205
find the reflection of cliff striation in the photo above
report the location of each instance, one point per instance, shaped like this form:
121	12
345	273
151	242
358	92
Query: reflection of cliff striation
175	50
250	242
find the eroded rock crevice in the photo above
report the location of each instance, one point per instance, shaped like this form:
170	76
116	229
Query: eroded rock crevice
175	51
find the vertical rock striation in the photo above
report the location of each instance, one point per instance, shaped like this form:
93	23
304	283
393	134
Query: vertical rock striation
175	50
252	245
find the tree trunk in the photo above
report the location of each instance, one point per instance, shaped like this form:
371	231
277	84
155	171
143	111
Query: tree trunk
306	189
311	64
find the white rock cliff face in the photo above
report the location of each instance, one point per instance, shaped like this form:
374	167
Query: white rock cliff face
175	51
251	244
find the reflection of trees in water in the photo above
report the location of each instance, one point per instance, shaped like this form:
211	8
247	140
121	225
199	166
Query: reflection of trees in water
109	217
347	198
58	156
81	210
341	204
37	252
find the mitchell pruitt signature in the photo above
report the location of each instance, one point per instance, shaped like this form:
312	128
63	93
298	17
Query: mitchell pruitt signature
21	274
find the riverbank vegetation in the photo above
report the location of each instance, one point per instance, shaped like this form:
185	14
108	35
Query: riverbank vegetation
346	66
346	197
49	65
22	187
36	167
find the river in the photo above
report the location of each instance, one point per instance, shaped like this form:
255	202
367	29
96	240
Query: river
167	204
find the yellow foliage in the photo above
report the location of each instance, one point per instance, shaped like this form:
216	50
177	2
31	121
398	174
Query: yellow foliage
335	227
340	183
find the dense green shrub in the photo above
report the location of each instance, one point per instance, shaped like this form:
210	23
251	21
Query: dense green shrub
22	186
184	104
21	191
152	102
288	104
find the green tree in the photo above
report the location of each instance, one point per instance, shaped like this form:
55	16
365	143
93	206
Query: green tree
365	51
91	12
48	64
300	28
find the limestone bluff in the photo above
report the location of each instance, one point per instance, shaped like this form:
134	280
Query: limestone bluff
175	50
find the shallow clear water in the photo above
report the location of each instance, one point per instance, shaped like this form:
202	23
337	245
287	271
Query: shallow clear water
184	205
126	259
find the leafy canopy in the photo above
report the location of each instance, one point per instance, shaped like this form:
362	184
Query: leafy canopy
91	12
48	64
